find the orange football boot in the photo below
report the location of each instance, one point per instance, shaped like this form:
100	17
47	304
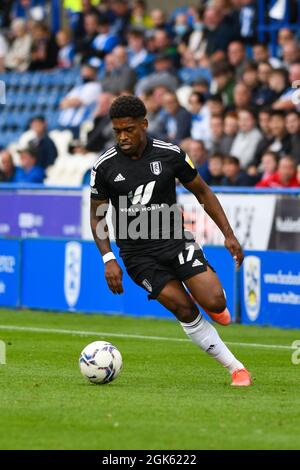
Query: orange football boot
241	378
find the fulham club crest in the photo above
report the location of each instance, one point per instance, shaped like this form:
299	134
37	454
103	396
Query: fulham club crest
156	168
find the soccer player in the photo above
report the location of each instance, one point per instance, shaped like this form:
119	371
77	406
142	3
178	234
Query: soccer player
138	177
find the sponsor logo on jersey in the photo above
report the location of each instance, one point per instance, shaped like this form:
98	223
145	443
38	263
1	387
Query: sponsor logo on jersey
142	194
252	286
72	278
156	168
196	263
189	161
147	285
118	178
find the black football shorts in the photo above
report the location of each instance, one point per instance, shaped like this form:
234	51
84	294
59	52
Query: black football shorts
153	271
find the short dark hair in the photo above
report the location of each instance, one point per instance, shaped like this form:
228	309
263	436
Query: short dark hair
277	112
232	160
127	106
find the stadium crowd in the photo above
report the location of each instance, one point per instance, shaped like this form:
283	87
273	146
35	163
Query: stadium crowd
207	83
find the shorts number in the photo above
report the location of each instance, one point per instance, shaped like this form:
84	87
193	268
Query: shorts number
189	257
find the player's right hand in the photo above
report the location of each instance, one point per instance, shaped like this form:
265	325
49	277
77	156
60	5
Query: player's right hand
113	275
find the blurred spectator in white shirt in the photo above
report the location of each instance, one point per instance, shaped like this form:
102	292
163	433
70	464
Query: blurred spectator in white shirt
18	56
247	139
79	103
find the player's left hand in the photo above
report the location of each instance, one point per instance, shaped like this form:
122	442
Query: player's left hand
232	245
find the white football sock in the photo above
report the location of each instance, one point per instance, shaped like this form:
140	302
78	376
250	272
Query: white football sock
206	337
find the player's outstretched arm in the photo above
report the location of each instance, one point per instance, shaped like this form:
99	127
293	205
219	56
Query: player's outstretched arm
214	209
113	272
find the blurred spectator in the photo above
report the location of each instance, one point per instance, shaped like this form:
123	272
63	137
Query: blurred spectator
164	46
43	145
18	55
28	171
247	138
215	168
241	96
216	33
278	82
104	42
286	101
237	57
290	53
284	177
224	81
218	139
264	117
263	95
139	15
139	59
259	94
280	142
66	51
230	131
234	175
195	43
163	75
200	129
215	104
292	122
118	76
197	152
3	52
7	167
84	41
284	36
78	104
101	136
260	52
153	107
268	166
121	18
159	20
77	16
176	120
181	30
44	49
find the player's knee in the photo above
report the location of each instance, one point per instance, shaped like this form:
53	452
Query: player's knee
186	313
217	303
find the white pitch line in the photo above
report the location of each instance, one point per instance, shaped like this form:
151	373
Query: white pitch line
125	335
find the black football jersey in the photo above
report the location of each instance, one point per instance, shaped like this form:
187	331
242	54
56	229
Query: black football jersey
143	194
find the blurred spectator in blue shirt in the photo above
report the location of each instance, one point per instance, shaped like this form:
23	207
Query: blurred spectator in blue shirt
105	41
176	120
66	51
121	14
28	171
139	58
233	175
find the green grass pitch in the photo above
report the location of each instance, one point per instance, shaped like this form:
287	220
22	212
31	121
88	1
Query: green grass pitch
170	395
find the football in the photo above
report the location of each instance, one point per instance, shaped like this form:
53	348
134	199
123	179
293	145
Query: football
100	362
